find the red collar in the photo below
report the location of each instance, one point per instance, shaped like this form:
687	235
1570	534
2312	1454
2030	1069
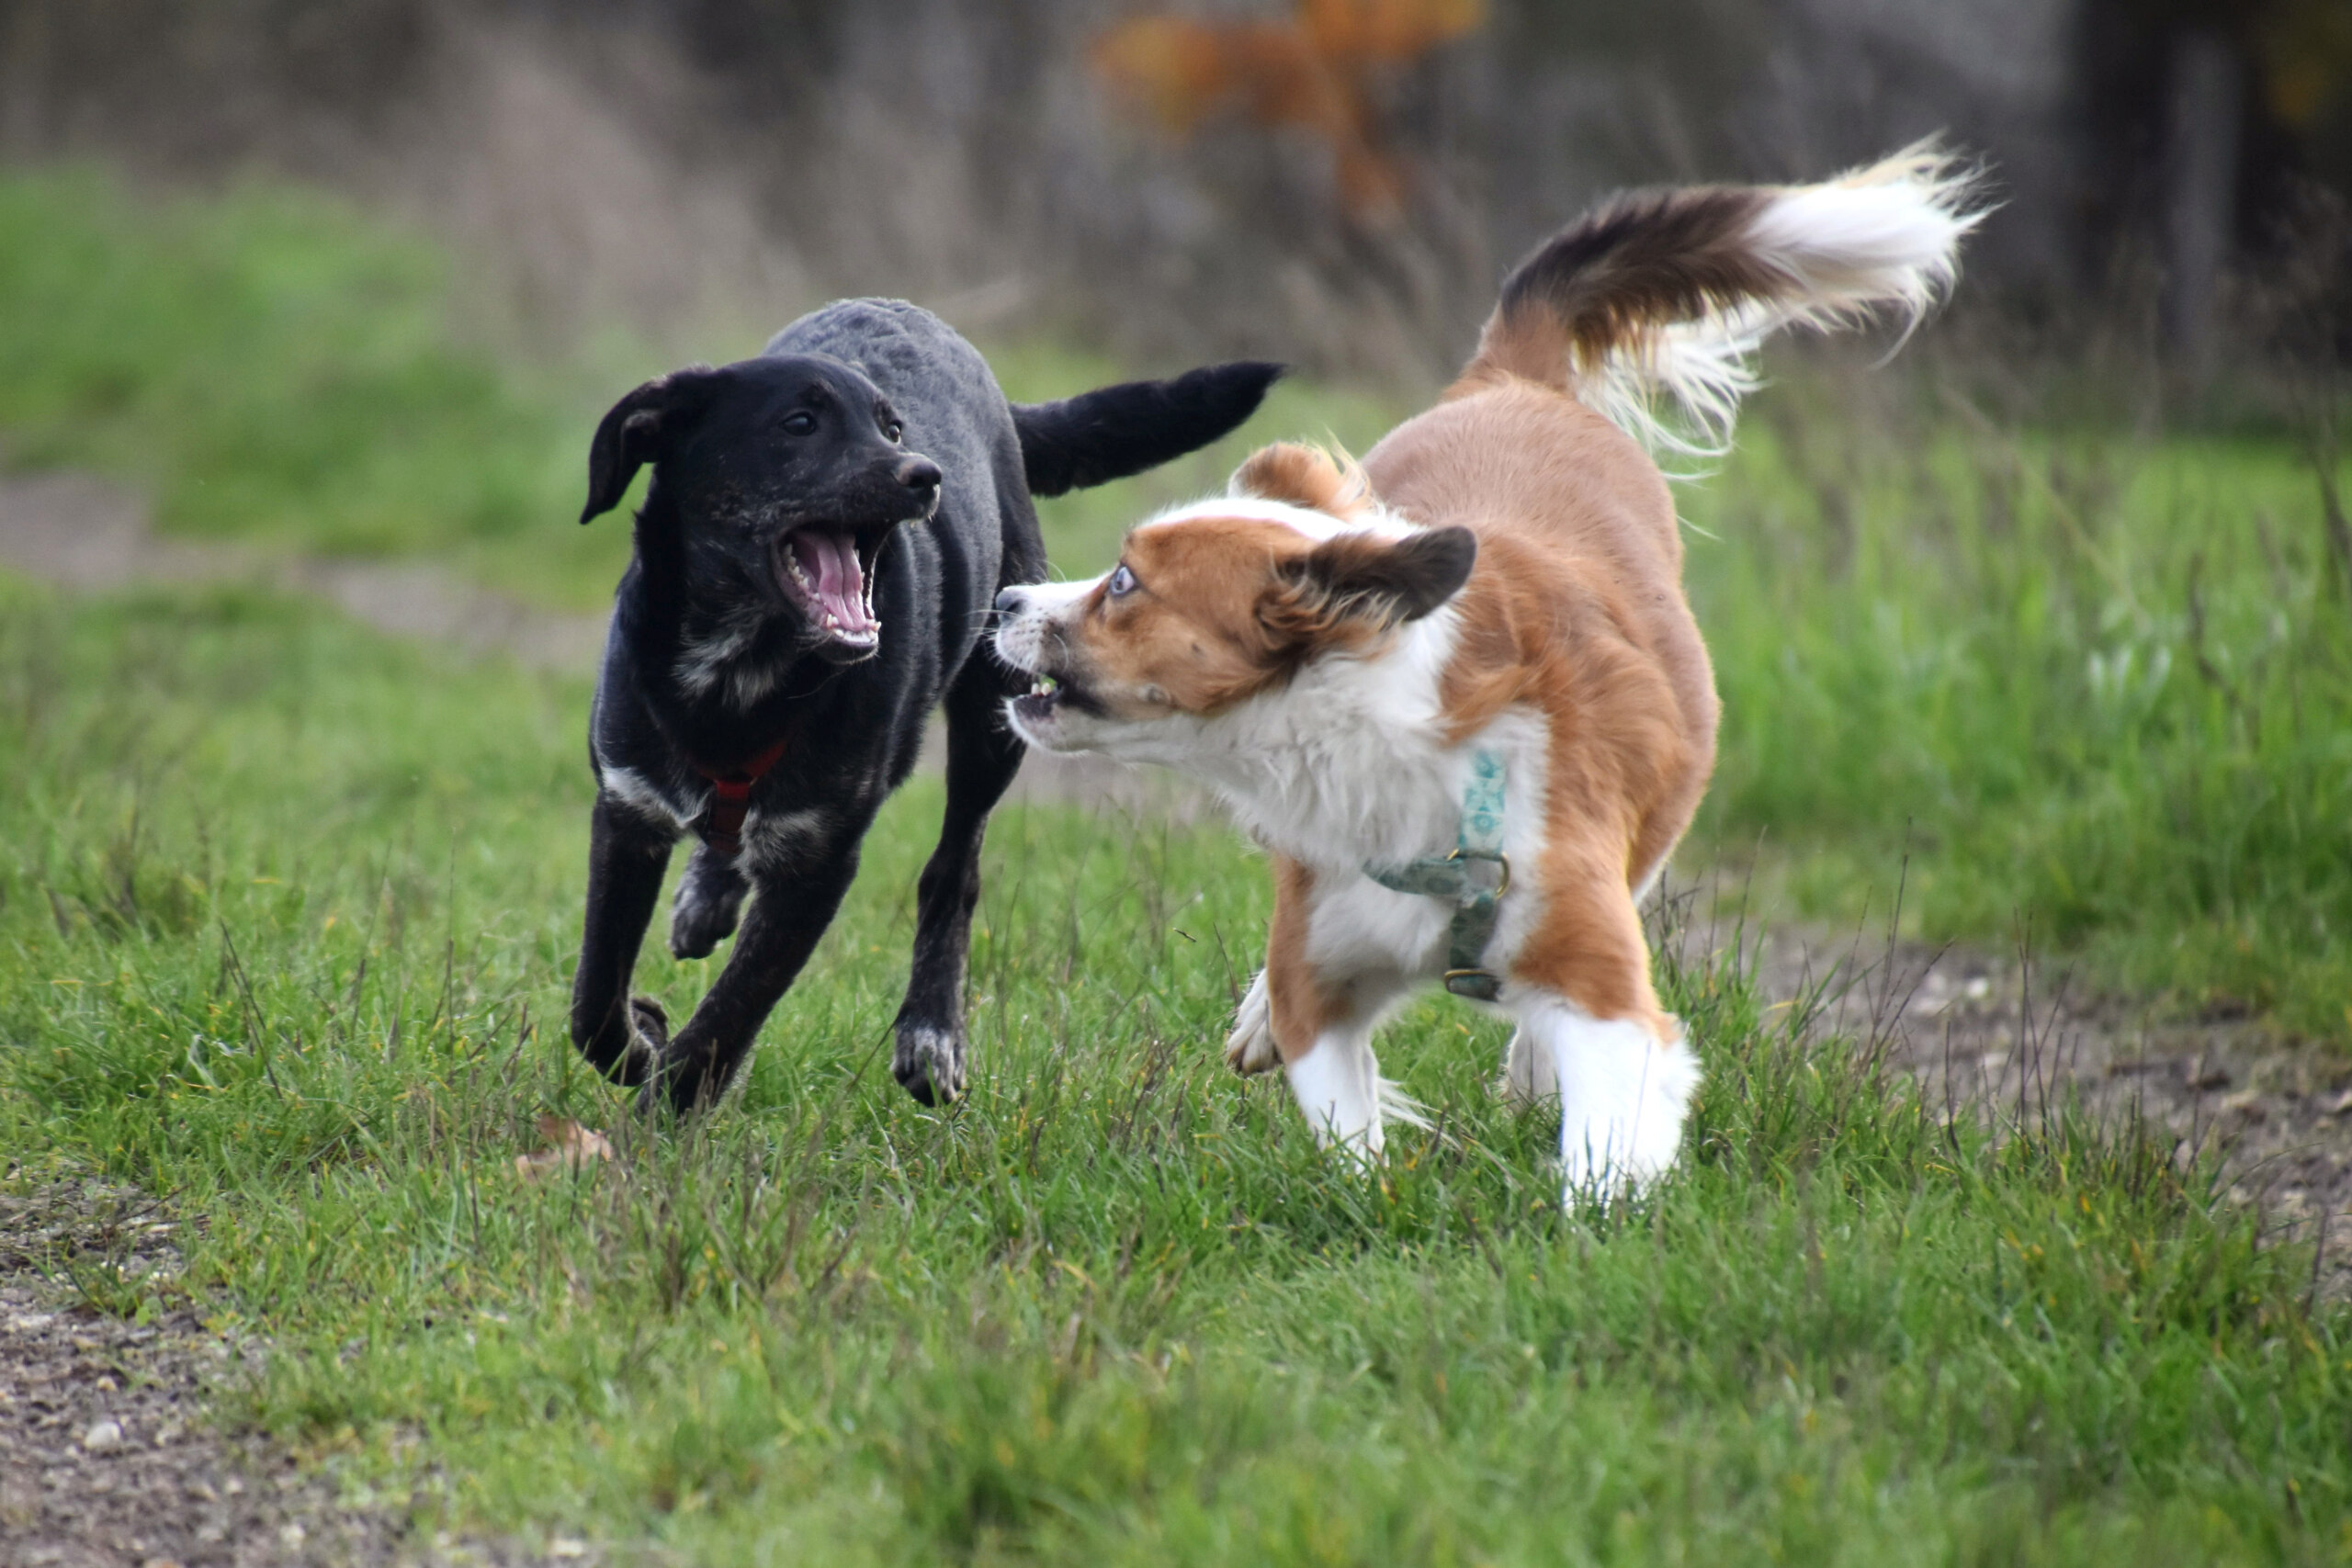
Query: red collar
730	796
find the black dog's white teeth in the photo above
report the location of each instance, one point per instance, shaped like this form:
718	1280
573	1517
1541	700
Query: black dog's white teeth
1043	686
828	621
823	619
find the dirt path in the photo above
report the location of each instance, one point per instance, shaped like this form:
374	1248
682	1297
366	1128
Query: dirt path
82	533
2004	1036
109	1456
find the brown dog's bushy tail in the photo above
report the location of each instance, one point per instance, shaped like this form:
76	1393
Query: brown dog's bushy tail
1113	432
1671	291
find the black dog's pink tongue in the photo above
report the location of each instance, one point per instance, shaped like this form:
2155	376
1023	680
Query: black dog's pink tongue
830	561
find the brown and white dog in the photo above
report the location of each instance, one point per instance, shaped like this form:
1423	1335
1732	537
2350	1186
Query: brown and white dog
1334	649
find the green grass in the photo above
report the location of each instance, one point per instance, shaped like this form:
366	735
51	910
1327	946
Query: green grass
286	916
2093	685
273	367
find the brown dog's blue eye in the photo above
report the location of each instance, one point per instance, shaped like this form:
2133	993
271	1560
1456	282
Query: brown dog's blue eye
800	423
1121	584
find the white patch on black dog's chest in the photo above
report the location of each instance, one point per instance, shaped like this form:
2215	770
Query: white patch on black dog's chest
639	793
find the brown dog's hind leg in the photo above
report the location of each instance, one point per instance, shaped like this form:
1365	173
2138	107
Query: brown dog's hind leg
1591	1025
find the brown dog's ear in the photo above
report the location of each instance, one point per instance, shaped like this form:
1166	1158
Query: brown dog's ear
1305	476
632	435
1369	581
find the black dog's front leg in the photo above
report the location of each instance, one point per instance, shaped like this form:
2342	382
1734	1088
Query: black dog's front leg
626	859
709	902
787	916
983	754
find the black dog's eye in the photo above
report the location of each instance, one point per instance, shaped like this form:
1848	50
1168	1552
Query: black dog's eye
1121	584
894	431
800	422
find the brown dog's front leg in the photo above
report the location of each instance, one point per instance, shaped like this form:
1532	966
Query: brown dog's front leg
626	859
780	932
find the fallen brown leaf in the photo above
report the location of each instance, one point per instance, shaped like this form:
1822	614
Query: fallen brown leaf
570	1146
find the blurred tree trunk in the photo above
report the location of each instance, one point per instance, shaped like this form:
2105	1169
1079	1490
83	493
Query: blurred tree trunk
2205	108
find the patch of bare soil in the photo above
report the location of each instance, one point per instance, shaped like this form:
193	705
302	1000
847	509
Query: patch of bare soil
2007	1036
82	533
109	1456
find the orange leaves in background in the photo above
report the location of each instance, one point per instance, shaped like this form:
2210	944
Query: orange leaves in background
1315	72
2303	49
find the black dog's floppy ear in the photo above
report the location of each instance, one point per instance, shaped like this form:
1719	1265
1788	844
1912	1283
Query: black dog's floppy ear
632	435
1113	432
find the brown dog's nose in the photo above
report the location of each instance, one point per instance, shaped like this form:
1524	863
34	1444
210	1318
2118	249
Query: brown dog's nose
918	473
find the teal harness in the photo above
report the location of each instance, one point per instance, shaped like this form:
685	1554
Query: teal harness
1474	877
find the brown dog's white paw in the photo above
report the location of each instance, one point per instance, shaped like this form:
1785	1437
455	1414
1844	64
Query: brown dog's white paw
1250	1049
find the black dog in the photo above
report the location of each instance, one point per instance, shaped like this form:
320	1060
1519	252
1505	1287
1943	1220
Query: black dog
827	527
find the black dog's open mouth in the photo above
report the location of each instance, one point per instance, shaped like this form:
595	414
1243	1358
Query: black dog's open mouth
831	576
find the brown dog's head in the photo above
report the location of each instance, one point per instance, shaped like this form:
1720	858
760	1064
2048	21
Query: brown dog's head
1219	601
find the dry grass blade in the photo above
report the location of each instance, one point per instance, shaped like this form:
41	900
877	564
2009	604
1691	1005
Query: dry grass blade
571	1146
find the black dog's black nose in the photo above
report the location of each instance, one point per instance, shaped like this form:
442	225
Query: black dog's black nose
1009	601
918	473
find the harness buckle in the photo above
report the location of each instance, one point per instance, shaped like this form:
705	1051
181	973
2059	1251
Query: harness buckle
1500	859
1478	985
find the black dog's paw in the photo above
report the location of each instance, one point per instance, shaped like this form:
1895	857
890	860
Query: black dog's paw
929	1063
699	925
638	1061
649	1029
709	901
648	1047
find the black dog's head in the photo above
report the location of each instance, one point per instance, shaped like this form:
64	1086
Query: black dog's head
782	476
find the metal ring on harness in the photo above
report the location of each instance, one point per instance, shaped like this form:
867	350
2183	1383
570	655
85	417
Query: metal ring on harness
1498	858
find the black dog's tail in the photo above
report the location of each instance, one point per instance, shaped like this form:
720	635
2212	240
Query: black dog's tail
1113	432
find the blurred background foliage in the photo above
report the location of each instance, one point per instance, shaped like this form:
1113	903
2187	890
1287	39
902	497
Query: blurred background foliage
1339	182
